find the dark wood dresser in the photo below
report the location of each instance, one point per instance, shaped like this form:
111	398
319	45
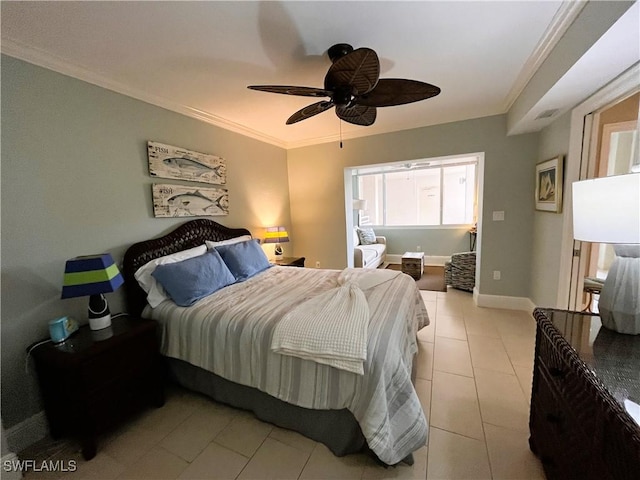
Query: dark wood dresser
95	379
585	395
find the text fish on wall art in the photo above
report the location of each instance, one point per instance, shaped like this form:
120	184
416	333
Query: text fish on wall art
166	161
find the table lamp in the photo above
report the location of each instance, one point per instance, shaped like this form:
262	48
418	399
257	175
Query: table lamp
92	275
607	210
360	205
276	235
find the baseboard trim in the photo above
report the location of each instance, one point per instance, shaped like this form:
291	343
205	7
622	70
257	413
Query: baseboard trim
503	302
429	260
10	473
27	432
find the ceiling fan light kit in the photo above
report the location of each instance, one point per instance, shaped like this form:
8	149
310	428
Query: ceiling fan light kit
354	87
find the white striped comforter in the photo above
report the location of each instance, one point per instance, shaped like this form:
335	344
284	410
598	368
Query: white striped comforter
229	333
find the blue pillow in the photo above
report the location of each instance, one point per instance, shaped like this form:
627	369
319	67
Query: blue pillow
188	281
244	259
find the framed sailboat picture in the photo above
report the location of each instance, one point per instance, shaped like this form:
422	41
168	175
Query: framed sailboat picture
166	161
549	179
183	201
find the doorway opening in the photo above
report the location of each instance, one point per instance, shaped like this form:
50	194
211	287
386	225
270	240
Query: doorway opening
604	141
430	205
617	136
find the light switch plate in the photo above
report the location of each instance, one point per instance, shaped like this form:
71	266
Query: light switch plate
498	216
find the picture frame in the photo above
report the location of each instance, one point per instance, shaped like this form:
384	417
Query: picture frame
167	161
549	181
183	201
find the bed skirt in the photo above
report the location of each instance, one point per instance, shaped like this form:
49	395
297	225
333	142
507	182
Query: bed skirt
337	429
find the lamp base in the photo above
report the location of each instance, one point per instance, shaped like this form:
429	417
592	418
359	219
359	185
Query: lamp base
101	334
619	321
99	314
619	303
100	323
278	250
624	328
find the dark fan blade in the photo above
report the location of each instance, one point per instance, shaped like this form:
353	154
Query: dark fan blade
397	91
359	69
290	90
309	111
357	114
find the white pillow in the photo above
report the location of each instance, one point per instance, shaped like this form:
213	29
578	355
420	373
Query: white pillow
155	293
243	238
367	236
356	237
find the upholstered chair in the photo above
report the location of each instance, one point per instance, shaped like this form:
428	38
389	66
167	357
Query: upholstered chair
460	272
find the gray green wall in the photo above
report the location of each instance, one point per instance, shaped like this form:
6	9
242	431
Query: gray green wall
432	241
75	181
547	226
316	183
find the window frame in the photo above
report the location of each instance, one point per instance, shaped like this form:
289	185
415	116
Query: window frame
441	164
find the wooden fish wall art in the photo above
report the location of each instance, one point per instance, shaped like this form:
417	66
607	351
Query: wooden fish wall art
183	201
166	161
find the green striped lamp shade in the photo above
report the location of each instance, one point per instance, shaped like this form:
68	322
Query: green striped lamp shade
91	275
276	235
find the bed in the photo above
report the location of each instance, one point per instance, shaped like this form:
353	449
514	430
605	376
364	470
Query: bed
224	345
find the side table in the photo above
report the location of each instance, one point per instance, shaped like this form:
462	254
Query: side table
473	233
289	261
96	378
413	264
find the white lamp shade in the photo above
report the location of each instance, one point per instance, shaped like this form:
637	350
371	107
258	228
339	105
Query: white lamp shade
607	209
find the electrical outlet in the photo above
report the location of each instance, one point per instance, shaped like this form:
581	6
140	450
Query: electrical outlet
317	264
418	248
498	216
496	275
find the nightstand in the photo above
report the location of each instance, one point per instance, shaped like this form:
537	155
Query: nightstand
96	378
289	261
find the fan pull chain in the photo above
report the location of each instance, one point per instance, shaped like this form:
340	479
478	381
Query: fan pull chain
340	122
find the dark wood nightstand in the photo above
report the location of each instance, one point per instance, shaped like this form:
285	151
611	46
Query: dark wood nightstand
289	261
95	379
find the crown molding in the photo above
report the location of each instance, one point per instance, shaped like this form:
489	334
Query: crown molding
565	16
307	142
562	20
60	65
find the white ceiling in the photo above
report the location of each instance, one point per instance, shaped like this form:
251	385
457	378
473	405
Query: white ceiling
198	57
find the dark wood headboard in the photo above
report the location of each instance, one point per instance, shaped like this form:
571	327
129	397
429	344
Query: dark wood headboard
188	235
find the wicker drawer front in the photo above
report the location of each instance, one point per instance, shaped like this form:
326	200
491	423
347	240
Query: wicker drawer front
560	439
576	391
578	429
619	446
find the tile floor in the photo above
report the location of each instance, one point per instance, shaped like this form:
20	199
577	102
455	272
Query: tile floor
474	382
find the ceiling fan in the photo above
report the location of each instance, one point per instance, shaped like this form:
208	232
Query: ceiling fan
354	88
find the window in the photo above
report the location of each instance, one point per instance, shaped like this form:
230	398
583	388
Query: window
429	193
